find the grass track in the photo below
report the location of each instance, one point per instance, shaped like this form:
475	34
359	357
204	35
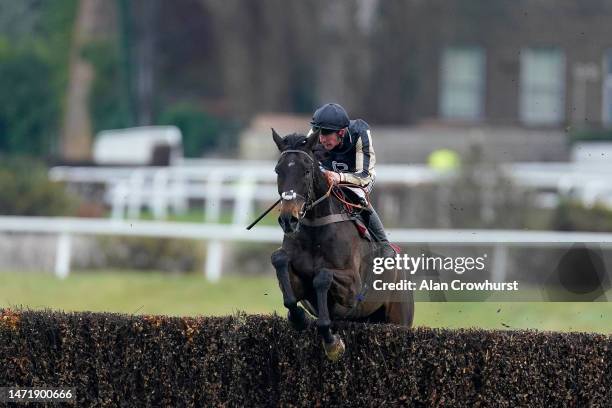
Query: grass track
187	295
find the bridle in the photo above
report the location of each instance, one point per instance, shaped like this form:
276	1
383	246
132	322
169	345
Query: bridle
309	201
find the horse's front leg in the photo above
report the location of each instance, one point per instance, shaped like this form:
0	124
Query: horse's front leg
297	316
333	344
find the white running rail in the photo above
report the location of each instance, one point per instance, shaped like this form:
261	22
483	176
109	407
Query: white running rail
164	189
217	234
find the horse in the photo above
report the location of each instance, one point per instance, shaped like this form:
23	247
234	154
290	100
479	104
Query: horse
324	262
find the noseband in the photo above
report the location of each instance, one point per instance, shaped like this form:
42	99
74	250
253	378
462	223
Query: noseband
309	201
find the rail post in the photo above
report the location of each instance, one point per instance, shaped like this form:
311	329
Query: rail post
63	255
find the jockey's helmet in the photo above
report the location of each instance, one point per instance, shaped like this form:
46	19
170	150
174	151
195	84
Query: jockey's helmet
330	116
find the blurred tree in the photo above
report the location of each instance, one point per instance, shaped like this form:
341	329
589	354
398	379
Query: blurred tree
26	189
145	56
249	56
125	45
95	24
108	106
124	61
33	73
30	107
202	132
19	19
138	34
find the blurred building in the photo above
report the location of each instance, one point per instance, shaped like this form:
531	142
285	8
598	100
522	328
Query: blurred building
525	70
457	67
527	63
512	62
414	143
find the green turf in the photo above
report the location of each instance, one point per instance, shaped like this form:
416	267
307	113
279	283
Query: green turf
183	295
140	293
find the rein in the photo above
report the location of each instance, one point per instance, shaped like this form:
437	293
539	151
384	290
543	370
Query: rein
338	194
309	203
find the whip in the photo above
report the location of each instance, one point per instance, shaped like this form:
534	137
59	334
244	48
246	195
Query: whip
264	214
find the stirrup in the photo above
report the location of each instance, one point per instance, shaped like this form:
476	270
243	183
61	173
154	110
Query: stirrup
364	203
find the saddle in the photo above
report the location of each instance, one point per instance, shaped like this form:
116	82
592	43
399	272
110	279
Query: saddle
355	201
358	201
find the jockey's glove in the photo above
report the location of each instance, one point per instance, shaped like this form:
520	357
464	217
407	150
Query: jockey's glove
332	177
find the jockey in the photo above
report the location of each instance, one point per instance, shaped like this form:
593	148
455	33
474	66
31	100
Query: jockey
350	156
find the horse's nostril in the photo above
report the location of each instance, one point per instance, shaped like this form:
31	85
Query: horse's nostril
294	224
289	223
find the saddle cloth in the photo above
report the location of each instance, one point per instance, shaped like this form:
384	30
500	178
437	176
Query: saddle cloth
357	195
364	233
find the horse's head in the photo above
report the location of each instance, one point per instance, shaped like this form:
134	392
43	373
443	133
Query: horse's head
295	169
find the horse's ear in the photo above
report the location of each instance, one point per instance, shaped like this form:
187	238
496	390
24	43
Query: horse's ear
278	140
313	139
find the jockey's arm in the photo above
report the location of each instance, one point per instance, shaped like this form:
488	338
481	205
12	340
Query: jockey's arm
365	160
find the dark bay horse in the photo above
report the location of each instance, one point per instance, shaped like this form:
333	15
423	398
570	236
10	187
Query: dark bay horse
324	263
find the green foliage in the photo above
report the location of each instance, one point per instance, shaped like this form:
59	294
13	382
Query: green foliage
53	43
29	109
584	135
26	190
574	216
33	74
202	132
108	106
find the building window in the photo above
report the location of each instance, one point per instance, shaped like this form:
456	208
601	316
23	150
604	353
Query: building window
542	86
607	89
462	83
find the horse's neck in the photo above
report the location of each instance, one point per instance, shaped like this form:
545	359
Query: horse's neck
326	207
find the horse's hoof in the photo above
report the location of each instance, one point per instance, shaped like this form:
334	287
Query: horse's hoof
300	321
335	349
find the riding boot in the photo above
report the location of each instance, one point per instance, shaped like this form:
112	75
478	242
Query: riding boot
374	225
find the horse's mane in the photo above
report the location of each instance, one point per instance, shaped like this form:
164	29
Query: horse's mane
296	141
